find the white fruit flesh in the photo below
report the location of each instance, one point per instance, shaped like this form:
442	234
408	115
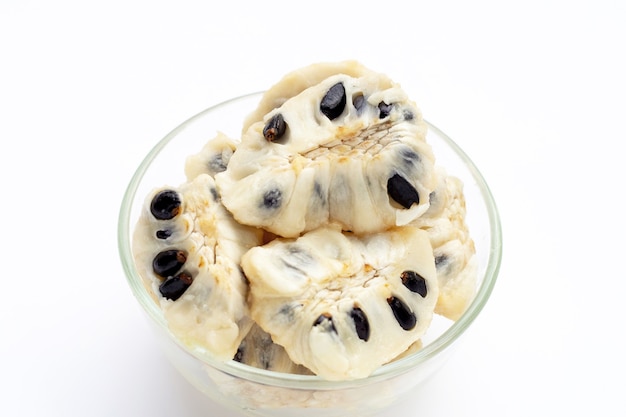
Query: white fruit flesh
324	170
454	250
212	313
327	273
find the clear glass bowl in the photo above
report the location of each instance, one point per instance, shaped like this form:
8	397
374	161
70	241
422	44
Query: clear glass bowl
258	392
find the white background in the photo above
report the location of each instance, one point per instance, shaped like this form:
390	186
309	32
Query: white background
534	91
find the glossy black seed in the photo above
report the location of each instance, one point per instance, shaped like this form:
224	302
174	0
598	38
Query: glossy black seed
402	192
359	103
165	205
441	260
319	195
384	109
217	164
163	234
414	282
404	316
239	354
361	323
326	321
272	199
173	287
169	262
275	128
334	101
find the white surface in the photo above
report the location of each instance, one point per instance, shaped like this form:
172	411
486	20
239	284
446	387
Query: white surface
534	91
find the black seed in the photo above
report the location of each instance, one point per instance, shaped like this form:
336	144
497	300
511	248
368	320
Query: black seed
165	205
441	260
414	282
173	287
167	263
319	193
361	324
272	199
401	191
275	128
384	109
239	354
408	115
214	194
217	164
321	319
359	103
409	157
325	320
334	101
317	190
404	316
163	234
298	259
265	359
288	311
432	198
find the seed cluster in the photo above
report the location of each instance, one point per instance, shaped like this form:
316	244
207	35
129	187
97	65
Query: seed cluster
167	265
401	311
371	140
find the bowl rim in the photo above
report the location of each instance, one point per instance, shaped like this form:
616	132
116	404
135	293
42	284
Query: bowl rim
273	378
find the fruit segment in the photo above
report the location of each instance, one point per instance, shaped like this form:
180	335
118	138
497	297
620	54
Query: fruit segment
342	304
454	251
349	151
187	249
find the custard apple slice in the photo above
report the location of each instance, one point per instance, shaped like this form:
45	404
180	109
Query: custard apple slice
454	250
347	150
188	248
212	158
340	304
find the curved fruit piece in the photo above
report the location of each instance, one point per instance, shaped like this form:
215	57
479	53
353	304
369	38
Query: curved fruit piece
213	157
454	251
348	150
190	263
343	305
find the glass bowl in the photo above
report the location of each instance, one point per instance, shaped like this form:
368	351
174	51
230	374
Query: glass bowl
258	392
